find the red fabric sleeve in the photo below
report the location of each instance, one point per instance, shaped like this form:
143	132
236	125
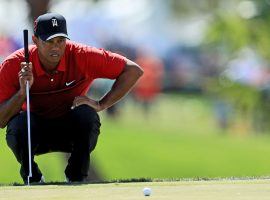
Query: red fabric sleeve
9	82
102	64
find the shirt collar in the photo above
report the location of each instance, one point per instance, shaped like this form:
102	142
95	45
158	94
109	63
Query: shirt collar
38	68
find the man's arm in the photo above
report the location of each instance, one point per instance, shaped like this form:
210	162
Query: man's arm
122	85
13	105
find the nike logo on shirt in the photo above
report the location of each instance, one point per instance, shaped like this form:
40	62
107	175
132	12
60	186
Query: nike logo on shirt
69	83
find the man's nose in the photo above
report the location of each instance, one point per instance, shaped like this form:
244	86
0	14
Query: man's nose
55	46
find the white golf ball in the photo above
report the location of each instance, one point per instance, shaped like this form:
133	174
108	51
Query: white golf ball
147	191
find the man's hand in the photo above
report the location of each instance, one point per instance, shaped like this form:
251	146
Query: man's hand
25	75
12	106
80	100
123	83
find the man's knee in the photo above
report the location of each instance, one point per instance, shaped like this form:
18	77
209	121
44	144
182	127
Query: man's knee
87	124
85	116
16	128
17	131
17	123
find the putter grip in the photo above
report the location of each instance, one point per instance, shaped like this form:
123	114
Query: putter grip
25	40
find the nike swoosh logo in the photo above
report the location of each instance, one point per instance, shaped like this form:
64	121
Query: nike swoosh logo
69	83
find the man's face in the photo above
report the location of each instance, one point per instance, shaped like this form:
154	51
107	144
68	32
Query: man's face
51	51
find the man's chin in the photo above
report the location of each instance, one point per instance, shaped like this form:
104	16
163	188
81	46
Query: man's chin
55	60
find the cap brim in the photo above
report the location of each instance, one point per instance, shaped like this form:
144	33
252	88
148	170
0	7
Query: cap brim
46	37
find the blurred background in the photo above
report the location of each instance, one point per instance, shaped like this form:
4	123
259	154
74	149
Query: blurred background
202	109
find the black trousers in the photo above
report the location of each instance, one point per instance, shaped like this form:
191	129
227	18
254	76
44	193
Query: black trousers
76	133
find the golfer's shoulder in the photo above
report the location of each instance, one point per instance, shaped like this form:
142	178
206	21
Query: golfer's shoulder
13	59
79	48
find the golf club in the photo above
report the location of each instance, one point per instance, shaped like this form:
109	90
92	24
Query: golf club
26	56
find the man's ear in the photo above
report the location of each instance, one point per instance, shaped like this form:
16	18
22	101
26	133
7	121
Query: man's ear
35	39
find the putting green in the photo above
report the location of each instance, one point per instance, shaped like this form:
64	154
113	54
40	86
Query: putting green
191	190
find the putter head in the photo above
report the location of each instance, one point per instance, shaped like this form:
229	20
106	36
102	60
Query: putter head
28	178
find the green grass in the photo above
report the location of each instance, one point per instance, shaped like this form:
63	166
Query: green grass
179	139
192	190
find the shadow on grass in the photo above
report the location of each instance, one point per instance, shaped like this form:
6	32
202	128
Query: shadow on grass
133	180
138	180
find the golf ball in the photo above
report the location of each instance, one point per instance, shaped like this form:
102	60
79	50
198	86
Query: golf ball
147	191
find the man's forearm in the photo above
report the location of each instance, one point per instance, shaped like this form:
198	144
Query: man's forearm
11	107
121	86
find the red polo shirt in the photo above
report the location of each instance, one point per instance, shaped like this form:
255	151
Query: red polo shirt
52	95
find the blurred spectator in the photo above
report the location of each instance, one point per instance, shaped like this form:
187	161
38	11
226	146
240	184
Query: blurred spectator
7	45
150	85
223	112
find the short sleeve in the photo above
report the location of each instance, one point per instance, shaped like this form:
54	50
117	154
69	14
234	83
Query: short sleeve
9	83
103	64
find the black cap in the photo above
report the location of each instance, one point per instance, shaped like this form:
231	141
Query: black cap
50	25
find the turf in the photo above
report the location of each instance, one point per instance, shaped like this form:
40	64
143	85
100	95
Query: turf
178	140
191	190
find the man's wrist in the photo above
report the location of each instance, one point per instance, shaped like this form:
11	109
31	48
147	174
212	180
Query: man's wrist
21	93
100	105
